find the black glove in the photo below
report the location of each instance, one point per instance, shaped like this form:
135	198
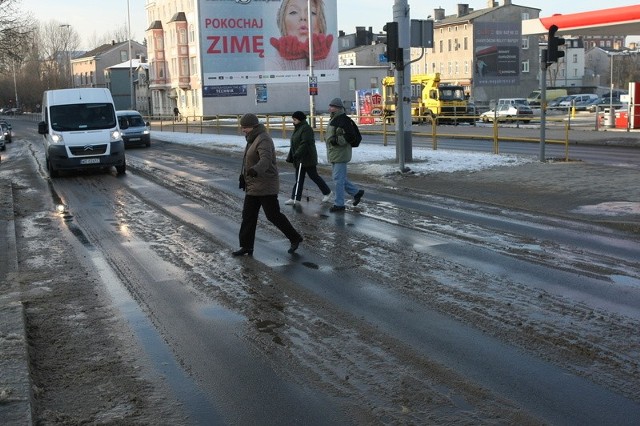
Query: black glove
242	184
333	141
252	173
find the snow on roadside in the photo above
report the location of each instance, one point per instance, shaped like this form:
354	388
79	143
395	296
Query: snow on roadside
374	159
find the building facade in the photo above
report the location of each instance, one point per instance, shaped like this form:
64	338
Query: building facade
89	68
222	58
484	51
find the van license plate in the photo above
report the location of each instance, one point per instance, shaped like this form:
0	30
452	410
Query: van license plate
90	161
134	139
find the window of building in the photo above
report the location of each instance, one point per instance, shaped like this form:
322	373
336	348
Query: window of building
466	67
457	68
373	82
525	15
441	46
194	66
525	66
466	43
575	59
184	66
449	45
352	84
192	33
525	43
449	68
182	34
124	56
159	43
456	45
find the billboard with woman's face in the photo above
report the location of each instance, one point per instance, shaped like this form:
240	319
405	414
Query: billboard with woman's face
259	41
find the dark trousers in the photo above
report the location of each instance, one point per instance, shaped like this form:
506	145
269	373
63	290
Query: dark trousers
313	174
271	207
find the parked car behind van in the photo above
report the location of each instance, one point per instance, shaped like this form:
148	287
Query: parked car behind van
137	131
577	99
80	131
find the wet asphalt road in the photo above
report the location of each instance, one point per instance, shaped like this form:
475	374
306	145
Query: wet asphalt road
162	235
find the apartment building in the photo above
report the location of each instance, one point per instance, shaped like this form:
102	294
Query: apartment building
219	58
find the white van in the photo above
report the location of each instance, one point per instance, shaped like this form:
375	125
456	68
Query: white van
512	101
577	99
81	131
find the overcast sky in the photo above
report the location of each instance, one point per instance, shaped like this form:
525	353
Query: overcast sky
97	17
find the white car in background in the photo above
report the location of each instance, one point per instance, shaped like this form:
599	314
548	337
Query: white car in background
508	113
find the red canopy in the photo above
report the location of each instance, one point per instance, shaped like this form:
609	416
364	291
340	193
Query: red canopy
615	21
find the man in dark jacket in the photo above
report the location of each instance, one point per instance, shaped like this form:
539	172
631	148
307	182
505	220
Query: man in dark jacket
260	179
304	156
339	154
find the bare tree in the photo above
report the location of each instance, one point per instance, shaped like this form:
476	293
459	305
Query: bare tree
14	32
58	41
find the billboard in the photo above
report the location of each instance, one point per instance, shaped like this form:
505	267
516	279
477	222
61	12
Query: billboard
266	41
497	53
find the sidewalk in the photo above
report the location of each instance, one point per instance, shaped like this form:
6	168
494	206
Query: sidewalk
15	383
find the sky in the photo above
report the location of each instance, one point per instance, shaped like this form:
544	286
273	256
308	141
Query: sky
97	17
375	159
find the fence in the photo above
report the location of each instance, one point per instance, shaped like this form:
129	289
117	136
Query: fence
498	132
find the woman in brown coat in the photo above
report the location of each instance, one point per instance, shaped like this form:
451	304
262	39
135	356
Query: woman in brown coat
259	178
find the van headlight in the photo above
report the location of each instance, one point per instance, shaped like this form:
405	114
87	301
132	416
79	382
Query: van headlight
56	137
146	132
116	135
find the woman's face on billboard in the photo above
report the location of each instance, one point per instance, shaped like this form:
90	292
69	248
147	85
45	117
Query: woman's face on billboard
296	14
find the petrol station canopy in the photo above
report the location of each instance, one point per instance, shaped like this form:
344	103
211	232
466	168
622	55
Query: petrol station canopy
615	21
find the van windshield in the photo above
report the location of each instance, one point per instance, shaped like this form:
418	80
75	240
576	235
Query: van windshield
82	117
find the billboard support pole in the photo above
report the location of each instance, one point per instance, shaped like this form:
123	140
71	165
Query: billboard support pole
312	106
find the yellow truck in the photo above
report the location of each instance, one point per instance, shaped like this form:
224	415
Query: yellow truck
429	99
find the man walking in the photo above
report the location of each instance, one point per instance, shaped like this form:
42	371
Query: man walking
260	180
339	154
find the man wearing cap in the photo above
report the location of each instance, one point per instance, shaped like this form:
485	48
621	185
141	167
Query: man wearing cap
259	178
339	154
304	156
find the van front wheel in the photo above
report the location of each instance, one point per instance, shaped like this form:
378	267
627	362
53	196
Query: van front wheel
120	170
52	172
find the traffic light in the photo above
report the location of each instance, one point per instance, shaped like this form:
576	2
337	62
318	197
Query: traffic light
391	29
552	52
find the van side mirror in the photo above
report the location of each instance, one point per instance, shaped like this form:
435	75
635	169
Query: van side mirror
124	123
148	124
43	128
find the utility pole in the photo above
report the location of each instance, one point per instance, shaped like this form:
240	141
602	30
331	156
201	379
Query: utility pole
402	17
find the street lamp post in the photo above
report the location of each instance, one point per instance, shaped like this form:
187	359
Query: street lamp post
130	59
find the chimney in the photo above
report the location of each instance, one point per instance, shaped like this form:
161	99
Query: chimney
506	2
491	3
463	9
438	14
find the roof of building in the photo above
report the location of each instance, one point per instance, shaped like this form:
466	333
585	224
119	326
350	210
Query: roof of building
474	14
104	48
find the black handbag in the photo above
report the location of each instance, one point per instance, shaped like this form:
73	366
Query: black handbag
242	184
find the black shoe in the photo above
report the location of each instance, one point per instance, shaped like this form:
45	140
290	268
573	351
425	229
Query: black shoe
336	209
294	246
242	252
357	197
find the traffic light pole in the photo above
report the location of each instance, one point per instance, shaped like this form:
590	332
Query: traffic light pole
548	56
403	89
543	104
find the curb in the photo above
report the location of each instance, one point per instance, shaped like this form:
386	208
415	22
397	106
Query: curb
16	405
